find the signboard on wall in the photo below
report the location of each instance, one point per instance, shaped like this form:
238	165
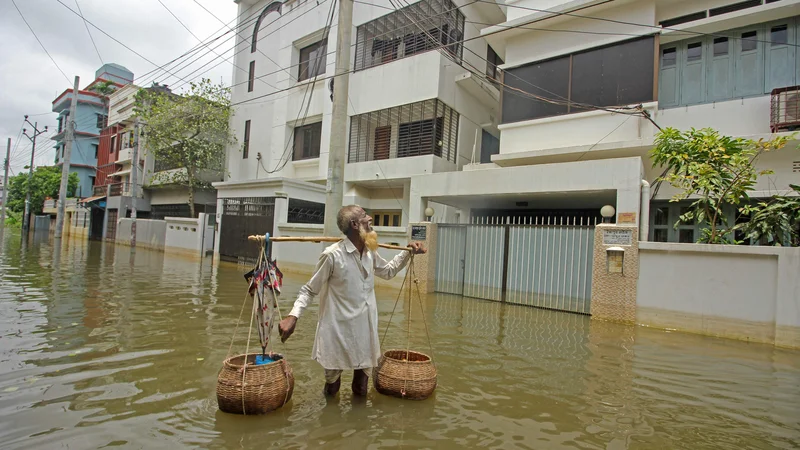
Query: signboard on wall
419	232
617	237
626	217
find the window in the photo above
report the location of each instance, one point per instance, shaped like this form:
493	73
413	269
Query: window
251	76
720	46
96	150
113	144
60	124
734	7
398	35
246	148
490	145
686	236
92	180
389	218
406	130
694	52
618	74
492	61
749	41
274	6
779	35
420	137
307	140
683	19
312	60
669	57
102	121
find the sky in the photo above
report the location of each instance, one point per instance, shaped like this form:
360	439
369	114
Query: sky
31	81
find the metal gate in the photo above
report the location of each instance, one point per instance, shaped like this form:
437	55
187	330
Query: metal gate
544	262
242	217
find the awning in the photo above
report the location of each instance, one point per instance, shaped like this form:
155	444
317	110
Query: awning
92	199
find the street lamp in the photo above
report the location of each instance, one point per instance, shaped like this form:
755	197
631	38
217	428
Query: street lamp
607	212
429	213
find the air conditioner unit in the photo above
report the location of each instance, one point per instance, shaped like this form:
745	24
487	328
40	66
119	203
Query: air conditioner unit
785	109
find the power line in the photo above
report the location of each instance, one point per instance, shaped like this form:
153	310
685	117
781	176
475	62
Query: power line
40	42
89	32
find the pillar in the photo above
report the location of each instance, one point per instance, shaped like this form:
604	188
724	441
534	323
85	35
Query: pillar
425	265
615	273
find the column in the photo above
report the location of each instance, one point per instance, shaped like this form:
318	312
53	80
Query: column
615	273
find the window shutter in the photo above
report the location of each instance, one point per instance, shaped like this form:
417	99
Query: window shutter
780	56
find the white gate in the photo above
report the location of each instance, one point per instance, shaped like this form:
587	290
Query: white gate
544	262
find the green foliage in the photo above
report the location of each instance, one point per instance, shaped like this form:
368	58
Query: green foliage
45	183
190	131
776	221
714	170
13	219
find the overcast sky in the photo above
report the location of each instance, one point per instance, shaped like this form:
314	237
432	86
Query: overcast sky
29	81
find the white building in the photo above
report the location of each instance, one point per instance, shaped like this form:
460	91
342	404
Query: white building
428	129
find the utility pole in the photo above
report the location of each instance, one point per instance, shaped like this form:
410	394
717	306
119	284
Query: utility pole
26	221
5	184
70	139
134	179
334	190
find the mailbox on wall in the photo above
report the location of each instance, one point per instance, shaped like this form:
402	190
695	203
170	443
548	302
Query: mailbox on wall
615	258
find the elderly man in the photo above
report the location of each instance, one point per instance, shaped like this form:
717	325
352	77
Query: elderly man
347	330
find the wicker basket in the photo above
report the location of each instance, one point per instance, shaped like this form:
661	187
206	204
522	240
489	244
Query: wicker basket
414	379
266	387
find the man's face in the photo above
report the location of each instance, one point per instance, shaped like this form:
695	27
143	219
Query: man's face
364	222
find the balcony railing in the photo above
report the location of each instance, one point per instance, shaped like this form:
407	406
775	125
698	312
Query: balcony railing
160	166
785	109
399	34
118	189
99	190
429	127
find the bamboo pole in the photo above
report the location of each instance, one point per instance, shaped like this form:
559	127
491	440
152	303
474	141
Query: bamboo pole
316	239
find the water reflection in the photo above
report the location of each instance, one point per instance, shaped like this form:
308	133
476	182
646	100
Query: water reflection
102	346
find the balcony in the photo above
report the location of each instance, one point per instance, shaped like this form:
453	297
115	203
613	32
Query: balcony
125	156
419	138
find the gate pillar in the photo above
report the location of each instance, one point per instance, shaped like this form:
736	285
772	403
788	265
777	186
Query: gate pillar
425	265
615	273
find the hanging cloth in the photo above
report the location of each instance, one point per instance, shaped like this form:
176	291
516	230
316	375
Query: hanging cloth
265	285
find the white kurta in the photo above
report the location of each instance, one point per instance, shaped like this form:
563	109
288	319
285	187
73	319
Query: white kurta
347	330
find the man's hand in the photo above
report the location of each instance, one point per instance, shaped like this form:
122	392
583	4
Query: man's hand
417	248
286	327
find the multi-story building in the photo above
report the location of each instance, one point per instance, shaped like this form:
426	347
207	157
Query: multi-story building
414	109
91	118
526	109
156	196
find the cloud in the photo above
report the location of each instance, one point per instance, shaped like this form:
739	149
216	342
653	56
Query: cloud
31	82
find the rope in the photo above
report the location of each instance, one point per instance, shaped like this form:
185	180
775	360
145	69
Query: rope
424	321
408	328
395	306
239	320
247	352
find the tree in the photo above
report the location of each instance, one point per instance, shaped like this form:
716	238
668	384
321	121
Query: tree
776	221
716	170
45	183
104	89
190	131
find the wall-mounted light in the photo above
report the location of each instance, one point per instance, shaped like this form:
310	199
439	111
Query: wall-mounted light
607	212
429	212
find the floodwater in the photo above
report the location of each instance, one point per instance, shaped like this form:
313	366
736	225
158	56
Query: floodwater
99	348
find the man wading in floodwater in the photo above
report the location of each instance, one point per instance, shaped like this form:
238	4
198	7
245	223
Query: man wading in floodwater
347	330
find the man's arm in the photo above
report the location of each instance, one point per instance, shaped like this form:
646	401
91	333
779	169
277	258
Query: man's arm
306	295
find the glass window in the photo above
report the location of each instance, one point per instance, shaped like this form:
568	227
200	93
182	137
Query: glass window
661	216
779	35
251	76
307	141
246	148
720	46
669	57
312	60
660	235
684	210
694	51
686	236
749	41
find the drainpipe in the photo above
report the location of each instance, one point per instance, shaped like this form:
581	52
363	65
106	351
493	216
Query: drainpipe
644	216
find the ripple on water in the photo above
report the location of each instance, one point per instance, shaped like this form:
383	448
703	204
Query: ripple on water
101	349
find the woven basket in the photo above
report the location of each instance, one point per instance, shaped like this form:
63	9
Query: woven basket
266	387
414	379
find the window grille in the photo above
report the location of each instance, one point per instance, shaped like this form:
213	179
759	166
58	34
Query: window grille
248	206
429	127
302	211
400	34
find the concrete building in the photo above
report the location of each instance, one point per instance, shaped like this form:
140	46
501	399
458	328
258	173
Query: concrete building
91	116
433	128
413	110
156	197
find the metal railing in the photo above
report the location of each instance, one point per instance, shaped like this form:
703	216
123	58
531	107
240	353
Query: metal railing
785	109
429	127
99	190
118	189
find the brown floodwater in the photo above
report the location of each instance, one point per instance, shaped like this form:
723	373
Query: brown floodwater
101	348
